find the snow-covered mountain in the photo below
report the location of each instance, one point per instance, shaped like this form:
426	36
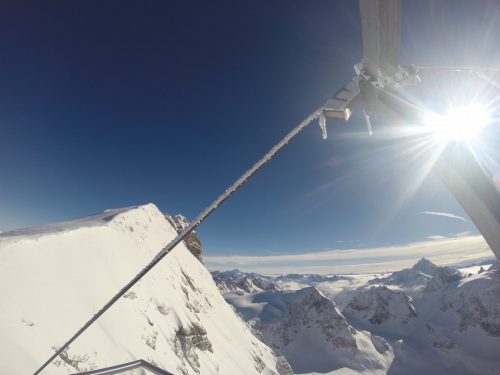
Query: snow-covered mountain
380	305
55	277
251	282
309	330
424	319
476	302
308	278
456	329
424	276
237	281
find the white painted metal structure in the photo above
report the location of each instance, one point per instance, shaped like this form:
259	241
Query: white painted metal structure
378	86
139	367
475	188
379	76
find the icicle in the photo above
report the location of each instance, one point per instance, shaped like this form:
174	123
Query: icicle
322	125
368	123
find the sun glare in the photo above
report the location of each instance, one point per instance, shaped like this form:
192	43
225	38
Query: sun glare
459	124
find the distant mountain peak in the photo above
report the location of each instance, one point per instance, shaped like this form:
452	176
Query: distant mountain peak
425	265
424	276
242	282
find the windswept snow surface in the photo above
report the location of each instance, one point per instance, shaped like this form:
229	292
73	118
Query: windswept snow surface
55	277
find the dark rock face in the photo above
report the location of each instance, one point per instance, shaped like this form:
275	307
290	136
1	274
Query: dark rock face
192	241
188	340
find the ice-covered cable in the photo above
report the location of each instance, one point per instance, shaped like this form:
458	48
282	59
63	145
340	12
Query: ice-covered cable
482	73
199	219
368	122
488	79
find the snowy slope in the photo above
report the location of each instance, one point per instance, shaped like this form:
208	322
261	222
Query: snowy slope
55	277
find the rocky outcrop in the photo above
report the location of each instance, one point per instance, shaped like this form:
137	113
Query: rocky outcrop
188	341
378	305
192	241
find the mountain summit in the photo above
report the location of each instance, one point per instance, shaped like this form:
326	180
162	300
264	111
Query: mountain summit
424	276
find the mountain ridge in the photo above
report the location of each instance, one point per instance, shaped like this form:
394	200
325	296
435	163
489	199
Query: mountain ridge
432	319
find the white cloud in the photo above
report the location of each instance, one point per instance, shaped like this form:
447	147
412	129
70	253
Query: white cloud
436	238
443	251
444	214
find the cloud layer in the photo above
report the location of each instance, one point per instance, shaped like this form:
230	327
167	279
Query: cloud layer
444	251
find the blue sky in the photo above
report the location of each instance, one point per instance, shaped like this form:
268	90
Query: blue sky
114	104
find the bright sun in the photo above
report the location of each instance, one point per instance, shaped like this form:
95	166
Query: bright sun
459	124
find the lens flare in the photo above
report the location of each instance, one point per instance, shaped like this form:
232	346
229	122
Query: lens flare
459	124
